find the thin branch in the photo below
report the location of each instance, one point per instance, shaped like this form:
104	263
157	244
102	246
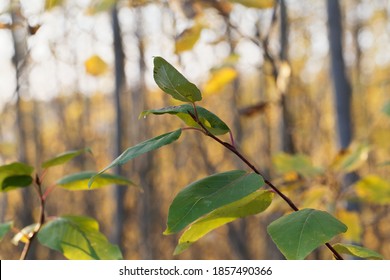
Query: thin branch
251	166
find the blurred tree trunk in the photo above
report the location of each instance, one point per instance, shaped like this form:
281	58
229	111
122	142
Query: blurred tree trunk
19	36
341	85
119	191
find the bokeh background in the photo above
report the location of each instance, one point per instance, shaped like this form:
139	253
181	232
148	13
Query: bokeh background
78	73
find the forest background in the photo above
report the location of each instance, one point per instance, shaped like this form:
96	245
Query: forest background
76	74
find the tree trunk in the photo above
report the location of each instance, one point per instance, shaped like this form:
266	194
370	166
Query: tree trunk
118	191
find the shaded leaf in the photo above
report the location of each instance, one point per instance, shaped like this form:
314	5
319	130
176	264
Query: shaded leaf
15	175
79	181
139	149
64	157
16	181
352	158
260	4
285	163
173	82
78	238
213	123
187	40
95	66
23	235
352	220
5	228
252	204
386	108
208	194
219	79
373	189
357	251
299	233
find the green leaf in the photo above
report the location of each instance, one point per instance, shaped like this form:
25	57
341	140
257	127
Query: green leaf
285	163
15	175
357	251
259	4
252	204
139	149
5	228
213	123
64	157
386	108
299	233
373	189
78	238
208	194
16	181
172	82
79	181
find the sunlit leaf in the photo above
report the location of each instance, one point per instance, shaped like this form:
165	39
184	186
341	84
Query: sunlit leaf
352	158
299	233
213	123
50	4
79	181
219	79
207	194
315	196
172	82
63	158
95	65
373	189
352	221
139	149
5	228
285	163
15	175
78	238
188	38
260	4
357	251
24	234
252	204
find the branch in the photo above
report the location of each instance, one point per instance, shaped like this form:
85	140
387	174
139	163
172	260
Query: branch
251	166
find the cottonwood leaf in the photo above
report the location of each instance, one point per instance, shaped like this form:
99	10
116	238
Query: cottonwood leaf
78	238
15	175
212	122
357	251
139	149
79	181
252	204
207	194
299	233
173	82
64	157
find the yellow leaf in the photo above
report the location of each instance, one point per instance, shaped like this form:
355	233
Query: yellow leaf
95	66
219	78
260	4
315	197
374	189
50	4
187	40
352	221
352	158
